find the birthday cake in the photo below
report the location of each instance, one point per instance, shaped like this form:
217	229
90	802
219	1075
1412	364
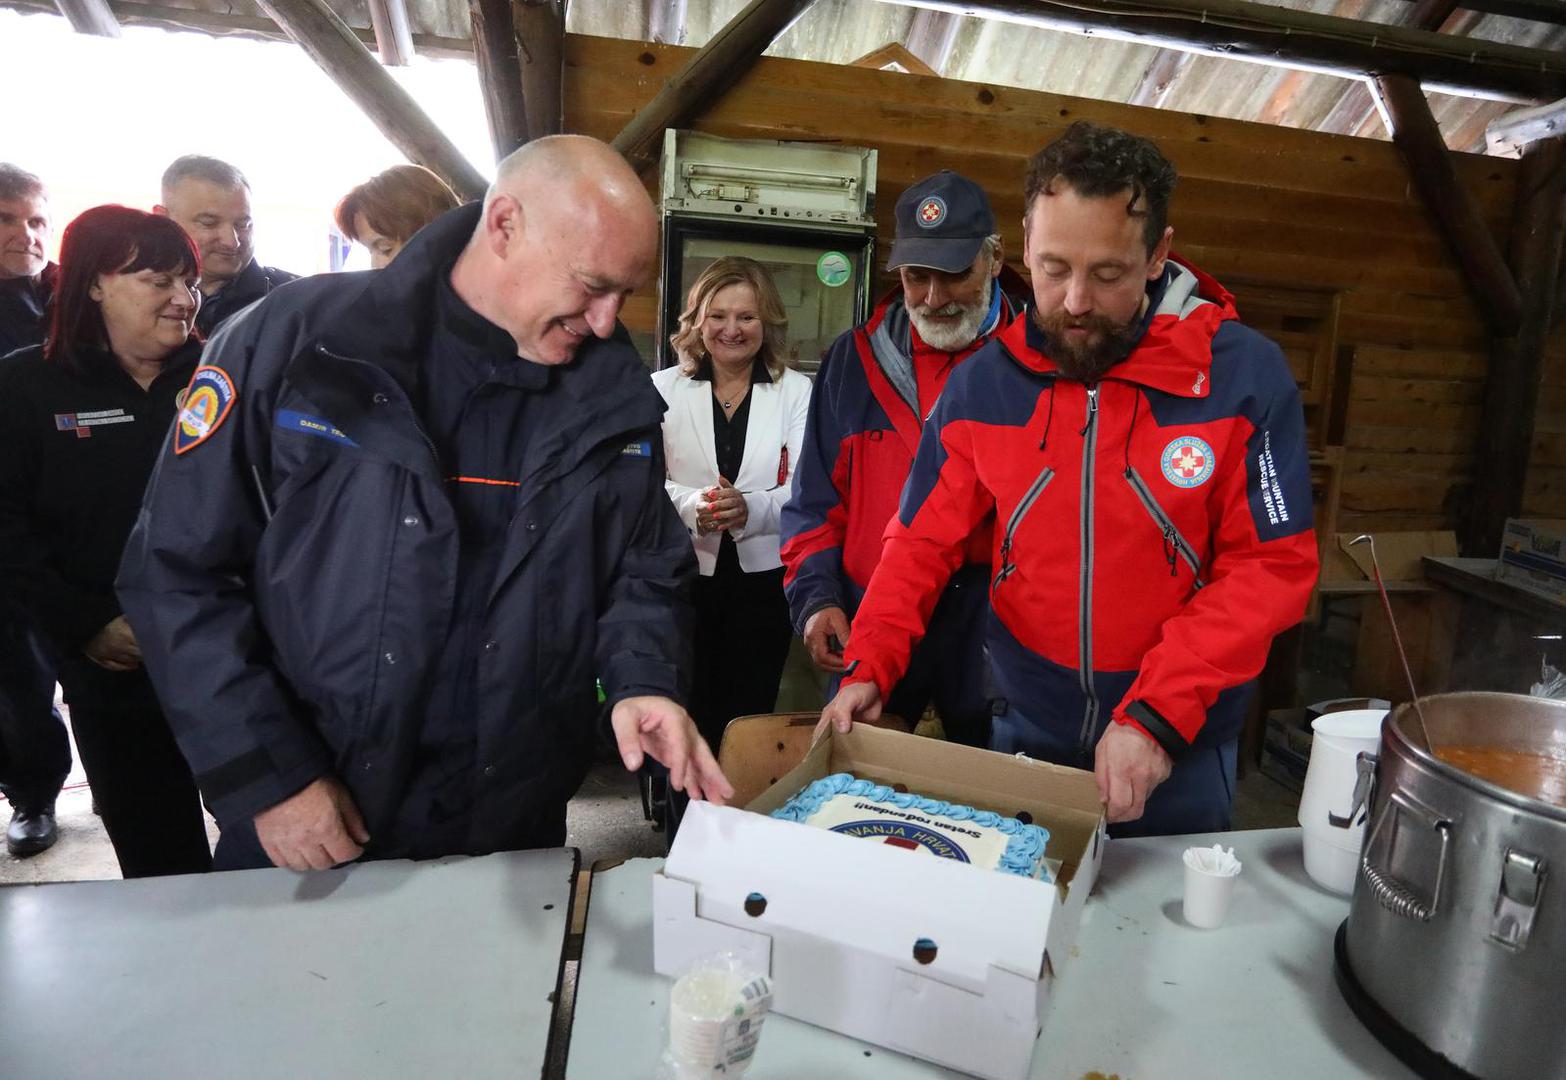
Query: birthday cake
845	804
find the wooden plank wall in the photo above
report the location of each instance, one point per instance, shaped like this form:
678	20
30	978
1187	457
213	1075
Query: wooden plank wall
1269	204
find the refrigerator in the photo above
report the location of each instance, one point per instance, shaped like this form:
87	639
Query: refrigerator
806	211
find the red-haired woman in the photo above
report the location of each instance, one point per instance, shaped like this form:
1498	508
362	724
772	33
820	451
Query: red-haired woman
82	420
386	210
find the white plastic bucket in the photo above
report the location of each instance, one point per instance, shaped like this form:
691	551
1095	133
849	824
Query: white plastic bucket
1332	853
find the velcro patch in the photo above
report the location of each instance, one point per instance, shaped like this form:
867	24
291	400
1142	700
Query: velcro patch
208	399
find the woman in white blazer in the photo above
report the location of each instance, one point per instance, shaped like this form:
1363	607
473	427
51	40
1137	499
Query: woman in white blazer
731	436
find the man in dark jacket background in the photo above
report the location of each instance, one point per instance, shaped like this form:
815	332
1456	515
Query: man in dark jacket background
35	752
210	199
406	517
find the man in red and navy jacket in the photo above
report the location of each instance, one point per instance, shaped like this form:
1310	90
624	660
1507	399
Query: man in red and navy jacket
1143	455
876	386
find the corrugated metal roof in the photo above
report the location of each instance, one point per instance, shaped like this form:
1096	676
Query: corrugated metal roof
979	50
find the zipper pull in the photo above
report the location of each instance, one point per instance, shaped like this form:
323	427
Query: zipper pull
1170	550
1092	409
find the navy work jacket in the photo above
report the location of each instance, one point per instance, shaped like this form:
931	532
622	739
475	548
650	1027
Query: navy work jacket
291	578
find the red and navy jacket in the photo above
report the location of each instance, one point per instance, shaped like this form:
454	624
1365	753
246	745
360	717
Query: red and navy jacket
860	440
1152	530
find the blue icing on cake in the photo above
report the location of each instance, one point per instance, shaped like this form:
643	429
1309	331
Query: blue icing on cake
843	795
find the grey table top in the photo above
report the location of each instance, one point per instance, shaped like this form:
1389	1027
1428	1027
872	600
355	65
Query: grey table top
1146	995
393	969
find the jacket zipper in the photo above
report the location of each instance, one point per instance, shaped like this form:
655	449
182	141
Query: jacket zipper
435	457
1008	567
1085	588
1174	544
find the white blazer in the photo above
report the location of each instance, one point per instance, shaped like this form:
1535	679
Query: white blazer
774	437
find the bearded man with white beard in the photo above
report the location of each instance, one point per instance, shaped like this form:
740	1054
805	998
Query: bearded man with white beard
877	385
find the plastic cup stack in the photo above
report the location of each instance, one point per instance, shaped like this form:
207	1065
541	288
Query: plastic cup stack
715	1018
1210	874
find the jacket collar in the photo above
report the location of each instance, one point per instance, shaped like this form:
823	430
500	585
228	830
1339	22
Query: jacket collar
1173	352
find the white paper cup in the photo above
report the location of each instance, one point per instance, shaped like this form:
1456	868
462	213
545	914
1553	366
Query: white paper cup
1207	896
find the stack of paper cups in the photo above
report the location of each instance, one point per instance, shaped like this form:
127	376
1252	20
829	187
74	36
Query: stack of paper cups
715	1018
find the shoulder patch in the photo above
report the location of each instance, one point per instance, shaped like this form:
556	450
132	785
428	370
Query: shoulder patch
208	399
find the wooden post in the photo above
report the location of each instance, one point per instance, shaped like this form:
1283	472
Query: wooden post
540	28
1287	37
714	68
1418	139
500	74
1511	394
393	38
329	42
90	17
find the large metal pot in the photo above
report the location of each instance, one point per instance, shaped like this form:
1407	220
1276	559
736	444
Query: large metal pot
1456	933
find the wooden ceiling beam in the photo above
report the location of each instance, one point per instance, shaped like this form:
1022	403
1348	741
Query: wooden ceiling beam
1263	33
1508	134
715	67
393	35
1356	106
338	52
90	17
1159	80
1406	112
541	53
499	72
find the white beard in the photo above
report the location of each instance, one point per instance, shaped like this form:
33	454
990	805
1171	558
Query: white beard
953	336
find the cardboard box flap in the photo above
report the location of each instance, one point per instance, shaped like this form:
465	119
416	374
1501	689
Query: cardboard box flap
878	899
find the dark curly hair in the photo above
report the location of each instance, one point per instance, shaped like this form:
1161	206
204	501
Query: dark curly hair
1097	162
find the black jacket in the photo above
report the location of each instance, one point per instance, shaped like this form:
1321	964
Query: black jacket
253	282
24	309
76	450
291	577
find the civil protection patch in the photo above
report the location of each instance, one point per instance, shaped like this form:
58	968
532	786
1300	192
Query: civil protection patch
642	448
208	399
931	212
1187	462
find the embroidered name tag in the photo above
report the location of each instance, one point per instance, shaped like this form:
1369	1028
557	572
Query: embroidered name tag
208	399
638	449
81	423
291	420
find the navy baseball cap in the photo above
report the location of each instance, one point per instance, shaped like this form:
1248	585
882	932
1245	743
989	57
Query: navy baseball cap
941	223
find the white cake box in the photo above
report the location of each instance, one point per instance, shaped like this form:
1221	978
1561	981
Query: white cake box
835	919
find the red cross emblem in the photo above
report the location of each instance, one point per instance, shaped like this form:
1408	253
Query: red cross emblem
1188	461
931	211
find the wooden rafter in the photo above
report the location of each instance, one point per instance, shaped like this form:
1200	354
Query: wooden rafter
90	17
541	53
1545	11
499	72
1242	30
339	53
1357	105
1510	133
704	78
393	36
1418	139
